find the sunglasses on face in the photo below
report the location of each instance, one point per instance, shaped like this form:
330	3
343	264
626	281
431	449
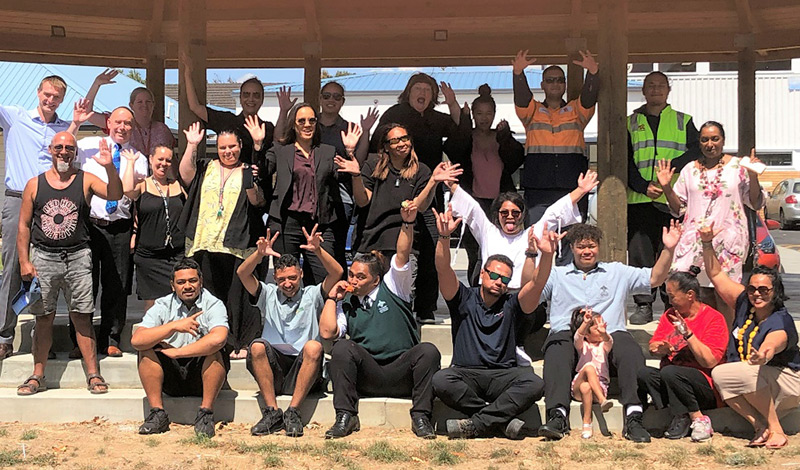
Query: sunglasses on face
513	213
555	80
303	121
762	290
336	96
59	147
495	276
397	140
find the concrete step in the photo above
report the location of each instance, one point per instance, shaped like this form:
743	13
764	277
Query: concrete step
66	405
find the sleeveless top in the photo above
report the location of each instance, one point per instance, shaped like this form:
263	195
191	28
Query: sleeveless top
152	237
60	217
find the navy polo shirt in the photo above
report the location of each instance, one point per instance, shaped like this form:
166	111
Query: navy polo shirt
483	337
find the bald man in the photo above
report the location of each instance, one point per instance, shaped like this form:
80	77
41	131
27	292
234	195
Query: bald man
54	217
111	229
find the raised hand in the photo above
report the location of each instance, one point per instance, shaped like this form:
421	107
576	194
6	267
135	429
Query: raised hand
533	242
671	237
665	172
106	76
188	324
587	315
521	61
601	324
81	111
588	182
445	223
503	126
549	241
339	290
194	134
447	173
587	62
129	155
753	160
313	239
257	130
351	137
408	211
285	101
347	166
707	232
264	244
370	119
186	61
448	93
103	155
654	191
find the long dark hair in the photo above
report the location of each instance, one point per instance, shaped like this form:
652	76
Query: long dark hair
410	164
420	77
290	135
778	292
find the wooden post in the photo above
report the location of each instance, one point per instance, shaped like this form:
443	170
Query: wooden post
747	98
612	137
192	40
312	73
155	77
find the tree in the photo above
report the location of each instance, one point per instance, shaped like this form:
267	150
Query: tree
134	74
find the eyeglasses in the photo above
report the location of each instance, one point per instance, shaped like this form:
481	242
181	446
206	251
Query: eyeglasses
336	96
303	121
762	290
60	147
513	213
397	140
495	276
555	80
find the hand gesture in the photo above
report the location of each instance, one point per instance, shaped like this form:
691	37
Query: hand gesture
253	170
81	111
678	322
26	269
188	324
130	155
447	173
521	61
549	241
186	61
339	290
759	357
660	348
588	182
665	172
587	62
257	131
347	166
408	211
753	159
503	126
601	324
370	120
533	241
587	315
313	240
671	237
707	233
351	137
445	223
194	134
106	77
285	101
103	155
264	245
654	191
448	93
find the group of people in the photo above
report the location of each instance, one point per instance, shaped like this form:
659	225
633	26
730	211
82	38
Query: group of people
201	251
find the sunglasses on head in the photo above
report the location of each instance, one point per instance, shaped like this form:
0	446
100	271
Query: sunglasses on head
555	80
326	95
397	140
762	290
303	121
60	147
513	213
495	276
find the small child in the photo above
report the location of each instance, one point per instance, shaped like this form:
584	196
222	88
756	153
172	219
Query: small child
590	384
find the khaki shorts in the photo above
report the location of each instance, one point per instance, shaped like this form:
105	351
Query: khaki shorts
70	272
740	378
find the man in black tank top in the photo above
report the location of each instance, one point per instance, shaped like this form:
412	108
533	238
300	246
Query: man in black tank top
55	217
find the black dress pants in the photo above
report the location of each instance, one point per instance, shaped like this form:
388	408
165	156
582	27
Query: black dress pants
291	237
645	222
355	373
681	389
426	285
508	392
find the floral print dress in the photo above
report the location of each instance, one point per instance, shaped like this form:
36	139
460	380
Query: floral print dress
714	195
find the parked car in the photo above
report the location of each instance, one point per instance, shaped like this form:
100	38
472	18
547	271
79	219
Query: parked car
783	204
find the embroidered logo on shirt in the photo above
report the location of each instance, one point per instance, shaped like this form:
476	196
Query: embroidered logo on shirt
382	307
603	291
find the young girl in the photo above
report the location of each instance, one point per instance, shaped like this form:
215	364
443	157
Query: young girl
590	384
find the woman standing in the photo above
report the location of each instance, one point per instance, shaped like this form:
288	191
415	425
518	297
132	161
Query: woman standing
146	134
223	194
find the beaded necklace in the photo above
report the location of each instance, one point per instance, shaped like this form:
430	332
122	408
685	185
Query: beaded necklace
711	189
740	336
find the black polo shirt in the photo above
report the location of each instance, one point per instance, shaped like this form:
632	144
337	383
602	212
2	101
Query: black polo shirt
483	337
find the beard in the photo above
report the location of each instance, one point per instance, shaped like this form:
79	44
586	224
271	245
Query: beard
63	167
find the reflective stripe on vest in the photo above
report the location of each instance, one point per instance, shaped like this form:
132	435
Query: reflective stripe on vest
647	149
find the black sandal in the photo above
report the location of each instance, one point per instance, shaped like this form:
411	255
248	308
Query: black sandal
32	389
92	387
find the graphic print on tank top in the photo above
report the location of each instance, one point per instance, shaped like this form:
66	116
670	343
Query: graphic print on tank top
59	218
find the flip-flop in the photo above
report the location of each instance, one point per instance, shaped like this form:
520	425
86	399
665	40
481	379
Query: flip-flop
777	446
760	440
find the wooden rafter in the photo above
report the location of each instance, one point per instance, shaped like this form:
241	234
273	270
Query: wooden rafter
747	20
154	34
312	22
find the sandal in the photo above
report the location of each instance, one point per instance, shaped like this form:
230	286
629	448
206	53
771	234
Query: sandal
28	388
760	439
93	387
775	446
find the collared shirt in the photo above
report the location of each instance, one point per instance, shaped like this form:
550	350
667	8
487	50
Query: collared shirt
170	308
332	135
87	149
605	289
27	138
304	186
288	320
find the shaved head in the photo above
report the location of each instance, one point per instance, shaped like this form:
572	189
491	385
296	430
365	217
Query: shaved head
64	138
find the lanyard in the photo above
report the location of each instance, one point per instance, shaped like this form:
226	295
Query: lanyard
165	199
222	181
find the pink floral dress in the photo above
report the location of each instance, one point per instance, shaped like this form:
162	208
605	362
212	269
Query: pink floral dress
714	195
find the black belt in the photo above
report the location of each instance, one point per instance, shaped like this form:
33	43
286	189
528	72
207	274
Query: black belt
106	223
12	193
62	251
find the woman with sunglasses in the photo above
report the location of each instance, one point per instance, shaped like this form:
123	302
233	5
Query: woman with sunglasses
761	377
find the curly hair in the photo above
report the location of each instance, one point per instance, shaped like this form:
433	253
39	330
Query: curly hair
579	232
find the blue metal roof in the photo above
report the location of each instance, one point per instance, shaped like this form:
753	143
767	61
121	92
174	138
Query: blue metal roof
19	81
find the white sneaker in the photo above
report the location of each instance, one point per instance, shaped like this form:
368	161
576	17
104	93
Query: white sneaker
587	431
701	429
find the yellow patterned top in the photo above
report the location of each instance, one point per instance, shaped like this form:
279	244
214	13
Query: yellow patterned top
211	221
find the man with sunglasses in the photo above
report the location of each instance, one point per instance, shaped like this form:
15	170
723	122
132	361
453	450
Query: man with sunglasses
555	148
484	380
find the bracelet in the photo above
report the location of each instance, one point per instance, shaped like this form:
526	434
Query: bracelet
687	336
406	224
444	237
531	254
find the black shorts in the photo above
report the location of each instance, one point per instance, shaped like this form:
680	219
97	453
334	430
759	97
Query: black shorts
284	369
184	377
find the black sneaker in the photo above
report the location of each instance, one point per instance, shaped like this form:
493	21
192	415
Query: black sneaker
679	427
643	315
155	423
513	429
634	429
461	429
556	426
345	425
271	422
204	422
422	427
292	422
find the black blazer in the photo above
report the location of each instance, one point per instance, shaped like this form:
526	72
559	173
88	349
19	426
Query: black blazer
280	162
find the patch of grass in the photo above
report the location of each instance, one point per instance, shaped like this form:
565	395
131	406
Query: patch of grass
706	450
492	467
101	451
272	461
199	440
29	434
261	448
48	459
503	454
626	453
152	442
675	456
588	452
742	458
332	445
3	432
442	453
382	451
10	458
546	450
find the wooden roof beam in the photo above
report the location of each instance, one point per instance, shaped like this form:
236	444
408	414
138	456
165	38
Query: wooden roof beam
746	19
312	21
154	33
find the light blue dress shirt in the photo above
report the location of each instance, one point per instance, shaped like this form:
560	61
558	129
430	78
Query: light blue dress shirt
170	308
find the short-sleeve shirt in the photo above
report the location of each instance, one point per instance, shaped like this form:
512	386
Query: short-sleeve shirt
483	337
605	289
292	320
170	308
219	121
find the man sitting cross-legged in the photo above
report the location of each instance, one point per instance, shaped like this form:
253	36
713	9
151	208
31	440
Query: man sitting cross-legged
287	358
179	342
484	380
